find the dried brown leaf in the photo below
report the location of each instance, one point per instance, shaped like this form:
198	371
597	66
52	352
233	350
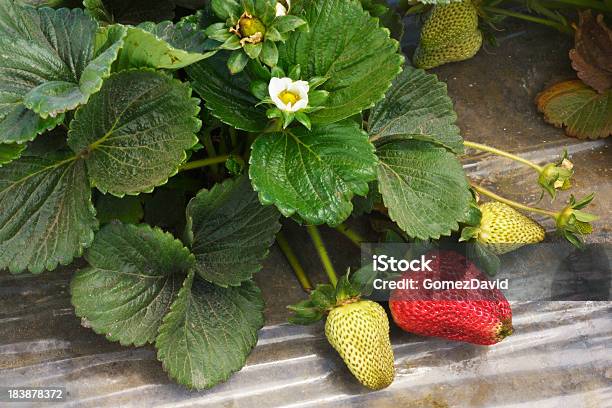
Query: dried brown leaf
592	55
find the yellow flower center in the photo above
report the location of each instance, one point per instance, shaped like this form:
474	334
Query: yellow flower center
289	98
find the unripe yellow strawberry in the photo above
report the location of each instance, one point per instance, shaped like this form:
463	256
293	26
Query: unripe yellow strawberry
359	332
503	229
450	34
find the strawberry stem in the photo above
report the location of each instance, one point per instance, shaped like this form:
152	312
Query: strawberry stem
530	18
493	150
511	203
353	236
204	162
323	255
299	272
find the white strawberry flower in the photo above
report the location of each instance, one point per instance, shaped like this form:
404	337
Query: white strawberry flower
289	95
282	8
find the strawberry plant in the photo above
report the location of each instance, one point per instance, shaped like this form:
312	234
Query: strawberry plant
164	150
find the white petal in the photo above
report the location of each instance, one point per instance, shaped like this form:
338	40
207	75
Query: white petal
275	88
278	85
280	9
301	104
300	87
303	88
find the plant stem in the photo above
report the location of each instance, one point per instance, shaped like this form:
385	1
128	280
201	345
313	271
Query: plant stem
322	251
527	17
210	147
511	203
502	153
353	236
233	138
204	162
299	272
223	142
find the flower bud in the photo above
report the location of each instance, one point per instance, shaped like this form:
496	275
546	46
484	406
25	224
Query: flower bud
557	176
251	26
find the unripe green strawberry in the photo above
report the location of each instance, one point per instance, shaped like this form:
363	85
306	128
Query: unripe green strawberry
359	332
450	34
357	329
503	229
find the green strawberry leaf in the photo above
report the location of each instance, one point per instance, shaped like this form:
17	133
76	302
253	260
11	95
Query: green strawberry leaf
129	12
165	46
48	66
134	275
47	217
230	232
417	107
352	51
209	332
128	209
365	205
583	112
483	257
18	124
227	9
387	16
227	96
135	132
10	152
313	174
424	187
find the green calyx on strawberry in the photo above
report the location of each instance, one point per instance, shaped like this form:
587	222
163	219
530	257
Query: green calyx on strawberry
557	176
449	34
357	329
573	223
502	229
250	30
477	316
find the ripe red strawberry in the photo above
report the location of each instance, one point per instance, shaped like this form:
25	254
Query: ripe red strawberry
478	316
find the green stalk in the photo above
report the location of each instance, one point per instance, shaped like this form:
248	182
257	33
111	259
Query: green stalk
299	272
527	17
512	203
210	147
233	138
323	255
196	164
223	143
353	236
493	150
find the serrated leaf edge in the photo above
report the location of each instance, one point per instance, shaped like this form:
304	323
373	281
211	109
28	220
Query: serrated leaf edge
51	266
184	291
190	235
289	211
155	230
196	129
446	232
